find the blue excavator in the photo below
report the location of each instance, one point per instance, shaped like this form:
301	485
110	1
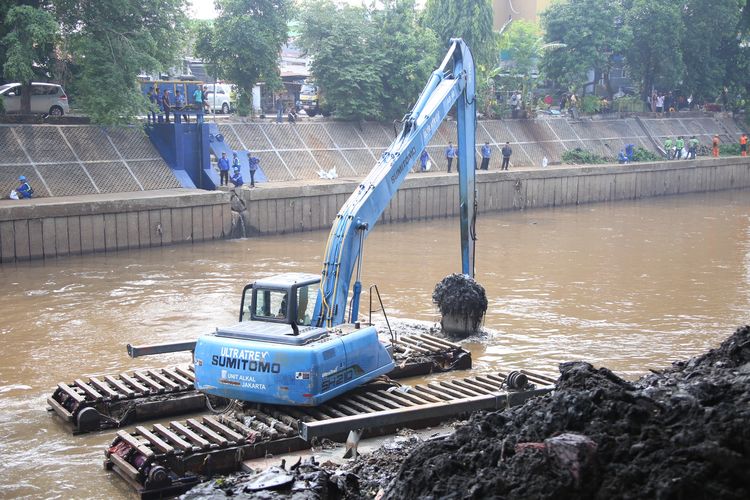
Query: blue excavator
293	344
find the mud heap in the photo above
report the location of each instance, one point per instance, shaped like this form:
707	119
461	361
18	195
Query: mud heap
462	303
680	433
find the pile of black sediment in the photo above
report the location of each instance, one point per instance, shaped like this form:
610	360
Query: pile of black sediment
460	295
680	433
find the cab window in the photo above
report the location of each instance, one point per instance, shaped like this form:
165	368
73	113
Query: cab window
246	311
306	298
271	304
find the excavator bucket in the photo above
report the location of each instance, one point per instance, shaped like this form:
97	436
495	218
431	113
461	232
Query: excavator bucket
462	303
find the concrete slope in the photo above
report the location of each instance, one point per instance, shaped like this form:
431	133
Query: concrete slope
299	151
71	160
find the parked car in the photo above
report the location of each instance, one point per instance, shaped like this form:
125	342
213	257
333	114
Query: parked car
46	98
218	97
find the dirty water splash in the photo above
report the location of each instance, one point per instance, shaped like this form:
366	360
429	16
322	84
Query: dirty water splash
240	217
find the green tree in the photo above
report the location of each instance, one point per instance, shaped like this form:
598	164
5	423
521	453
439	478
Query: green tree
739	67
522	45
407	50
522	48
29	42
345	64
710	44
467	19
654	56
592	31
111	42
193	30
5	6
243	43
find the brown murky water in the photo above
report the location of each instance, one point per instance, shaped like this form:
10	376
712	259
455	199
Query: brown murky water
627	285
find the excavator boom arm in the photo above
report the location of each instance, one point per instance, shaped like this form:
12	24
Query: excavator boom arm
364	207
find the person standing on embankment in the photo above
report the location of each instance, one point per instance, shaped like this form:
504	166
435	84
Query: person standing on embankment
450	153
507	152
486	153
223	170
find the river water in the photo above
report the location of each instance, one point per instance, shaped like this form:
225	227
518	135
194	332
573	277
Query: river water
630	286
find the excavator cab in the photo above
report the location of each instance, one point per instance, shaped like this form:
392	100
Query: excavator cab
275	355
285	298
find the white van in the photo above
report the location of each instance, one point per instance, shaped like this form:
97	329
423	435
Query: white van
46	98
218	97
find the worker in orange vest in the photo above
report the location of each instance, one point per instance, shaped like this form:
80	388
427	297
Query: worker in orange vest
743	144
715	144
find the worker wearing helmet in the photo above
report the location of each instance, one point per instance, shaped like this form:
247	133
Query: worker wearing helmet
24	188
237	177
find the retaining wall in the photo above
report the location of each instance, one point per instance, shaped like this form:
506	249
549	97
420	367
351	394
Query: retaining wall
87	224
426	196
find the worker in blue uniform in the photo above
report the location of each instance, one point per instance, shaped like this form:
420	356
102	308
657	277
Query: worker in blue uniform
630	151
237	178
152	105
486	153
253	163
423	159
450	154
223	170
24	189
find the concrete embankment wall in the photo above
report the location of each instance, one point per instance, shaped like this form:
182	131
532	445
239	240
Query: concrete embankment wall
309	207
80	225
87	224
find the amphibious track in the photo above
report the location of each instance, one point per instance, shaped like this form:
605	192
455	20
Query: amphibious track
112	401
170	458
